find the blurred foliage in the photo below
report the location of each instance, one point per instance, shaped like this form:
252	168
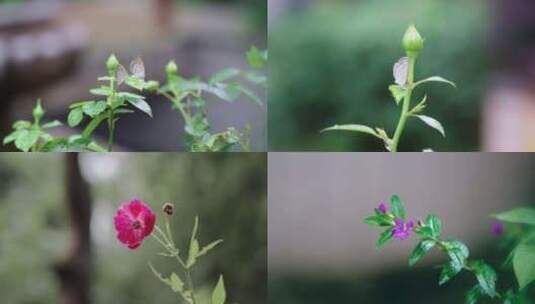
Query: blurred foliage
332	64
256	10
393	285
227	191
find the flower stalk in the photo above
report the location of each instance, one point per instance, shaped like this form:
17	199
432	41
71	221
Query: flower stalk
402	92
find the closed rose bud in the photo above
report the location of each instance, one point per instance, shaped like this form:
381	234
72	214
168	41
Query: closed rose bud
38	111
168	208
112	64
412	41
171	68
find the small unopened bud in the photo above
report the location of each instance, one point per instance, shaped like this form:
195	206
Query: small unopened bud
171	68
38	111
168	208
412	41
112	64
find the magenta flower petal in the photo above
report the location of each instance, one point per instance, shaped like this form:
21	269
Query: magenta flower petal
497	228
133	222
382	208
402	230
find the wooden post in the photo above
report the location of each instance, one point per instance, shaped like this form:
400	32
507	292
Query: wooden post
74	272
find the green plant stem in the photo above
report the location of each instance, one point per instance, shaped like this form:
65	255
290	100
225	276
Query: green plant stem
406	104
191	287
111	130
178	104
168	245
111	123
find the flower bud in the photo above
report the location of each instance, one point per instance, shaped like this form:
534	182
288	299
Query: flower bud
412	41
168	208
112	64
38	111
171	68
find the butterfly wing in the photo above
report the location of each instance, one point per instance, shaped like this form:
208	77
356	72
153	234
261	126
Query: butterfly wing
137	68
401	70
122	74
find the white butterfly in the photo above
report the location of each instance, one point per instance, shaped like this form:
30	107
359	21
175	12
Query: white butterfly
137	68
401	70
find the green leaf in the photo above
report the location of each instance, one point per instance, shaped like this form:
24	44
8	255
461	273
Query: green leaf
135	82
75	117
27	139
384	238
103	91
93	124
142	105
397	207
12	137
223	75
255	78
458	253
434	79
448	271
193	253
250	94
208	247
22	124
93	109
352	128
434	223
473	295
486	277
433	123
219	295
425	231
379	219
420	250
257	59
80	103
524	264
518	216
176	283
193	245
232	92
52	124
397	92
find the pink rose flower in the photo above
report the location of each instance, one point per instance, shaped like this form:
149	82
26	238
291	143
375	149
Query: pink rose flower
134	221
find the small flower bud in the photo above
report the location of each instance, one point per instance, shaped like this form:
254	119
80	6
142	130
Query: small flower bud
38	111
412	41
171	68
168	208
112	64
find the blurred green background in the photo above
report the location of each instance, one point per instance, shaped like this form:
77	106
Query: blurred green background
332	64
227	191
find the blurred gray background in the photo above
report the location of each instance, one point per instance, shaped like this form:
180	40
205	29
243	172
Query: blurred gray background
319	249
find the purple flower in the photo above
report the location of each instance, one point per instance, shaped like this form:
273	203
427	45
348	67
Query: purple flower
497	228
402	230
382	208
